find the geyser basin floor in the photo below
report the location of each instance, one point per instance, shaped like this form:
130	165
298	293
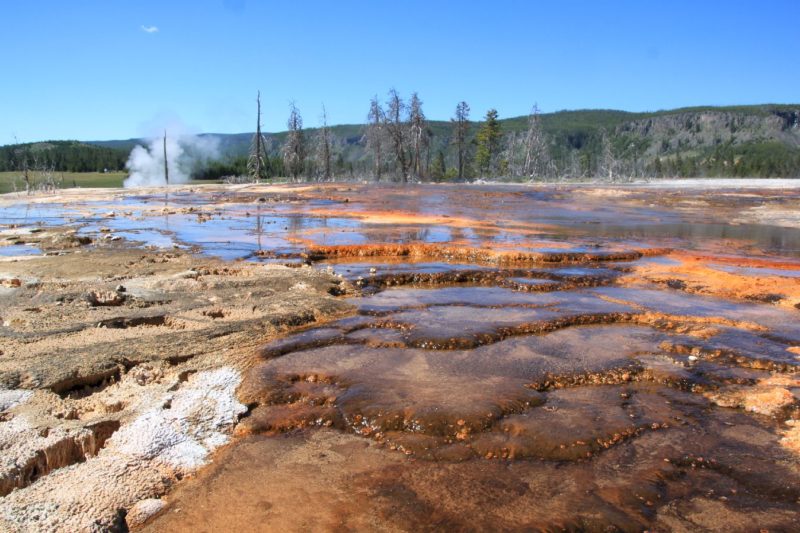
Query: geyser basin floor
486	357
645	420
501	217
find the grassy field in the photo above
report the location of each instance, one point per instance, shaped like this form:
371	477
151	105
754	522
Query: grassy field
68	180
74	179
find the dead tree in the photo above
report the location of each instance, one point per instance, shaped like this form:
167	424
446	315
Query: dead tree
397	129
31	173
537	156
608	163
574	169
294	150
258	161
419	139
27	175
428	143
460	132
324	147
48	181
510	154
166	165
375	135
22	164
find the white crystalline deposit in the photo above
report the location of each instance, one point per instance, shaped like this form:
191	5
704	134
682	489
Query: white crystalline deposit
173	436
142	510
722	183
12	398
196	422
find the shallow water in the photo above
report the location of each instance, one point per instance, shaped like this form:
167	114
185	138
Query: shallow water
18	249
469	406
758	271
585	408
695	235
238	224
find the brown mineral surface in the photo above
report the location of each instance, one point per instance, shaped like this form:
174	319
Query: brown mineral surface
400	358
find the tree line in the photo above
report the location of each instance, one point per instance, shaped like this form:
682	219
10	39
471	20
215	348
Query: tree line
399	143
61	156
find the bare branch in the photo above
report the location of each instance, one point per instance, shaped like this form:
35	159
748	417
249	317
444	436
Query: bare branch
294	150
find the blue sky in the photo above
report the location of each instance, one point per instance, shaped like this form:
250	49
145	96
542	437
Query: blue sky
117	69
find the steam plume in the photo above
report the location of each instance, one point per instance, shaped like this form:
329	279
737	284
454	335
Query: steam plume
185	153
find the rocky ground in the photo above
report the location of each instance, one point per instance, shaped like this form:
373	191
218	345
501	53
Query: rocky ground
118	368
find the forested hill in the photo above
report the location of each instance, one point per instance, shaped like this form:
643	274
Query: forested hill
758	141
63	156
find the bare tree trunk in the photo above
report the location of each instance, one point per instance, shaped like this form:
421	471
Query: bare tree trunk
396	127
508	155
428	153
294	151
537	158
324	146
258	161
166	165
608	163
418	127
375	135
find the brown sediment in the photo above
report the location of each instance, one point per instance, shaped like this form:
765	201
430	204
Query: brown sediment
169	298
697	274
329	480
740	261
78	372
517	279
791	436
731	356
313	398
330	381
56	451
474	255
770	396
415	400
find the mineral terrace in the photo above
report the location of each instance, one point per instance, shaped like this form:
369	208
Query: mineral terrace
400	358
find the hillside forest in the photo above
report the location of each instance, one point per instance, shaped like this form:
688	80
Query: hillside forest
398	143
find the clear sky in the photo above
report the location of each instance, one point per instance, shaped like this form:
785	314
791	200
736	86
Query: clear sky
112	69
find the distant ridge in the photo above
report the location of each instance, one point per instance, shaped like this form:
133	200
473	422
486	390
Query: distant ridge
557	120
749	140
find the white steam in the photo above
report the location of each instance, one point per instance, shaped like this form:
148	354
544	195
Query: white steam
185	153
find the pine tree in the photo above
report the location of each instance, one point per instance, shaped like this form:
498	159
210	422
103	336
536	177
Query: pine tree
375	135
488	139
439	168
460	131
419	139
324	147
